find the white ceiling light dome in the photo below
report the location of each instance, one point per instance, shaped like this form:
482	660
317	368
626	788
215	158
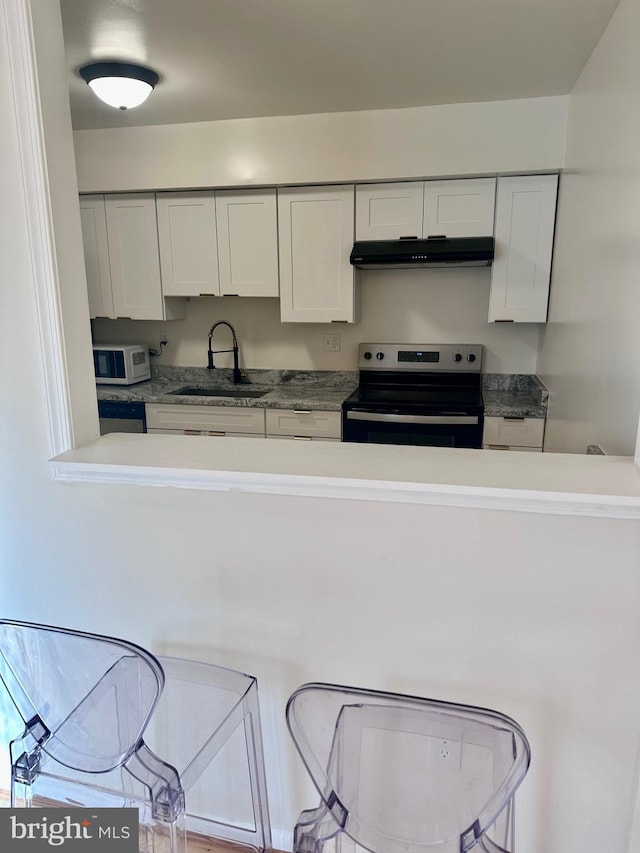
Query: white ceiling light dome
122	85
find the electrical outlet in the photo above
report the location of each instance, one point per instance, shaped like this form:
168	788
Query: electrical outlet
164	337
331	343
446	752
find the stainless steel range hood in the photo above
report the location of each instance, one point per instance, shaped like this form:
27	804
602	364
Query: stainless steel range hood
413	253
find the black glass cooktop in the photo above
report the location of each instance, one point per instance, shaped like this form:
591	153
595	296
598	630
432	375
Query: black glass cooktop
424	392
427	399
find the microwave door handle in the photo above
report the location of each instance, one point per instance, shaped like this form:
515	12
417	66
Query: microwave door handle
412	419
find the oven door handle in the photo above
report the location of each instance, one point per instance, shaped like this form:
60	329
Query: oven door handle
412	419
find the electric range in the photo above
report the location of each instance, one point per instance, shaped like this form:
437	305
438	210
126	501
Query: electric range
420	394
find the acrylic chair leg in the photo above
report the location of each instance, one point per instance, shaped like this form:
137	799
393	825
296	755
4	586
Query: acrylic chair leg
255	755
21	795
502	841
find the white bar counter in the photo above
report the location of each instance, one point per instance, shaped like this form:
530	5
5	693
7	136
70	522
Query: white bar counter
556	483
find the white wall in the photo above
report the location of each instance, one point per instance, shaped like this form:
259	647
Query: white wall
513	611
590	357
431	306
450	140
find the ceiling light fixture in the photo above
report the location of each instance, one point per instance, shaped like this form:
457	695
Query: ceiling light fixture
120	84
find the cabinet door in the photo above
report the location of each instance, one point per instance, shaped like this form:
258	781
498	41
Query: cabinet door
459	208
389	211
133	252
96	255
317	282
188	248
247	228
521	270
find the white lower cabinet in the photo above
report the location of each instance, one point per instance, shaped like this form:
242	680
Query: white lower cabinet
304	424
513	433
175	419
521	270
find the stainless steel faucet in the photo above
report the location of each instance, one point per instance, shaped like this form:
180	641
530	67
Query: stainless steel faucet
238	375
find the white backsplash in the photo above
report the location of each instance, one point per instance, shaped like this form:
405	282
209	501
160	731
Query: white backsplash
430	306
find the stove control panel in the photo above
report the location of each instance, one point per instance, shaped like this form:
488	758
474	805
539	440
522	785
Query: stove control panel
463	358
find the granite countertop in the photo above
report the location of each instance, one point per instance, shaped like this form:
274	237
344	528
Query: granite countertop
514	395
505	395
284	389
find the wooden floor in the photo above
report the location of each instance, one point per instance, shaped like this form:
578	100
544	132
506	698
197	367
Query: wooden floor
195	843
200	844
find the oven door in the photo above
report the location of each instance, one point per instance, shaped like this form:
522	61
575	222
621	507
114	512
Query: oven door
377	427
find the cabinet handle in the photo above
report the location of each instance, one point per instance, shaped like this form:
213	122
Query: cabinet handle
191	432
503	321
215	432
207	294
508	418
302	411
498	446
302	437
122	317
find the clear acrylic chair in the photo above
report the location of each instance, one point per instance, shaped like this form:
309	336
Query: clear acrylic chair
109	724
400	774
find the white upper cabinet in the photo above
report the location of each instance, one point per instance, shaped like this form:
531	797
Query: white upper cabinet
188	248
423	209
521	271
96	255
316	230
247	229
389	211
459	208
132	232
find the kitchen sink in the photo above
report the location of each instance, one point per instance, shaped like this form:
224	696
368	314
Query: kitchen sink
207	391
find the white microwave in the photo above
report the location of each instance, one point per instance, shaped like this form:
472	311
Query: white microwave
121	364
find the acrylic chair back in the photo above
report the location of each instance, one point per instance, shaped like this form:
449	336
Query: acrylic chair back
400	774
87	699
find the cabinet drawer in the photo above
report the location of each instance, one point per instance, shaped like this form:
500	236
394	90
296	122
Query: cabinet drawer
509	447
209	433
299	438
303	423
229	419
514	432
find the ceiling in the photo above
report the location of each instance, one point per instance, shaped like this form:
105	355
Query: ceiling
222	59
